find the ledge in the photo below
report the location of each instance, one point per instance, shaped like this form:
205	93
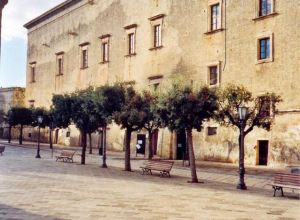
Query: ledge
83	68
155	77
105	36
269	60
156	48
33	62
84	44
60	53
104	62
61	74
130	26
157	17
130	55
265	16
214	31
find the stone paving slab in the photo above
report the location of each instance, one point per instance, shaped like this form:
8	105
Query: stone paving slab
44	189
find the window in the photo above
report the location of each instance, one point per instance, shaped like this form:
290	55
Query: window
32	69
31	103
105	48
60	63
264	48
105	52
213	75
211	131
131	43
84	55
265	7
84	58
154	82
156	26
215	17
157	36
32	72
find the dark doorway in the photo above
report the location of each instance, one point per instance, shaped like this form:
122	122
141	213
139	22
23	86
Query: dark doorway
56	136
181	145
155	140
141	143
263	152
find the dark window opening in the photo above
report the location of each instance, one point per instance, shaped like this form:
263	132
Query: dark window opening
265	7
264	48
105	52
84	63
131	43
213	75
211	131
215	13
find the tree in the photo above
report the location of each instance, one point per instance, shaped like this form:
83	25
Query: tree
131	118
108	100
19	116
2	116
183	108
259	114
151	116
84	115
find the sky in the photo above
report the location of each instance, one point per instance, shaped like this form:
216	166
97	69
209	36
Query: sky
14	38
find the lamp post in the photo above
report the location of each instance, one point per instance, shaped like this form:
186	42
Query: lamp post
40	121
242	110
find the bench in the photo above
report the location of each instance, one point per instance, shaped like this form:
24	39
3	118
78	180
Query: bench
66	156
285	180
2	148
164	167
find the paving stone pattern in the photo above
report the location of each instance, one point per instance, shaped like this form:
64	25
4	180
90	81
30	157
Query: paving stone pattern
44	189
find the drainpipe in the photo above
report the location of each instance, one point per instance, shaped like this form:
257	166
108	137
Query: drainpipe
225	40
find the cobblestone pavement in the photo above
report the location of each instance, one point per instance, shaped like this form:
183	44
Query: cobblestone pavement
44	189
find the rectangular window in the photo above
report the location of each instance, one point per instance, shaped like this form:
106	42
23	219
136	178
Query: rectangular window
264	48
60	65
211	131
213	75
84	57
131	43
157	35
31	103
215	17
32	73
265	7
105	52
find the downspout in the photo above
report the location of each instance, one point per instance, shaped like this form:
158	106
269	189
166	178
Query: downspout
225	40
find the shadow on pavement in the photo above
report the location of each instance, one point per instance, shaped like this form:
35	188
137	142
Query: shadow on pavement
12	213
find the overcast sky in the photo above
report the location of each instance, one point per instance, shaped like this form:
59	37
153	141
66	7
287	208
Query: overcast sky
14	40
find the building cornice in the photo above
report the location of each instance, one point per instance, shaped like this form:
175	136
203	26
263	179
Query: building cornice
50	13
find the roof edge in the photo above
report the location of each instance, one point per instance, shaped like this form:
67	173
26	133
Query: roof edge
50	13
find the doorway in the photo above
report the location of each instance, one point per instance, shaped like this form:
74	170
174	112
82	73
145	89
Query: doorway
263	146
181	145
141	144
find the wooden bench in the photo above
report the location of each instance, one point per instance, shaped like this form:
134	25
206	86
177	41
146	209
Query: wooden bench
66	156
164	167
2	148
286	180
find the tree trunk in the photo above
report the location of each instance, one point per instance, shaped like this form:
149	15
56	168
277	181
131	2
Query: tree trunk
150	155
90	143
127	150
21	135
83	145
104	165
50	139
192	157
9	134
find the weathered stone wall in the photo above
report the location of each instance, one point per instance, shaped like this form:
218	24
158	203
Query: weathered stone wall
188	49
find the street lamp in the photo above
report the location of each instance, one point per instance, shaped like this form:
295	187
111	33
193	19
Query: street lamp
242	110
40	121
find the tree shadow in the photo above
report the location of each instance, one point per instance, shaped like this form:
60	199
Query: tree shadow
12	213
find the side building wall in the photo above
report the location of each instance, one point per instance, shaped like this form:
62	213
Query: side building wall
188	49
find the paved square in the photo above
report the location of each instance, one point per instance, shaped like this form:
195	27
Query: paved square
44	189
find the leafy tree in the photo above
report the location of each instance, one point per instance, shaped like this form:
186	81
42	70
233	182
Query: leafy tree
19	116
61	110
84	115
2	116
231	98
183	108
151	117
131	118
108	100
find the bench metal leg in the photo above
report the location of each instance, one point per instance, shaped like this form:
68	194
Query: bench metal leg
146	171
165	174
277	188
